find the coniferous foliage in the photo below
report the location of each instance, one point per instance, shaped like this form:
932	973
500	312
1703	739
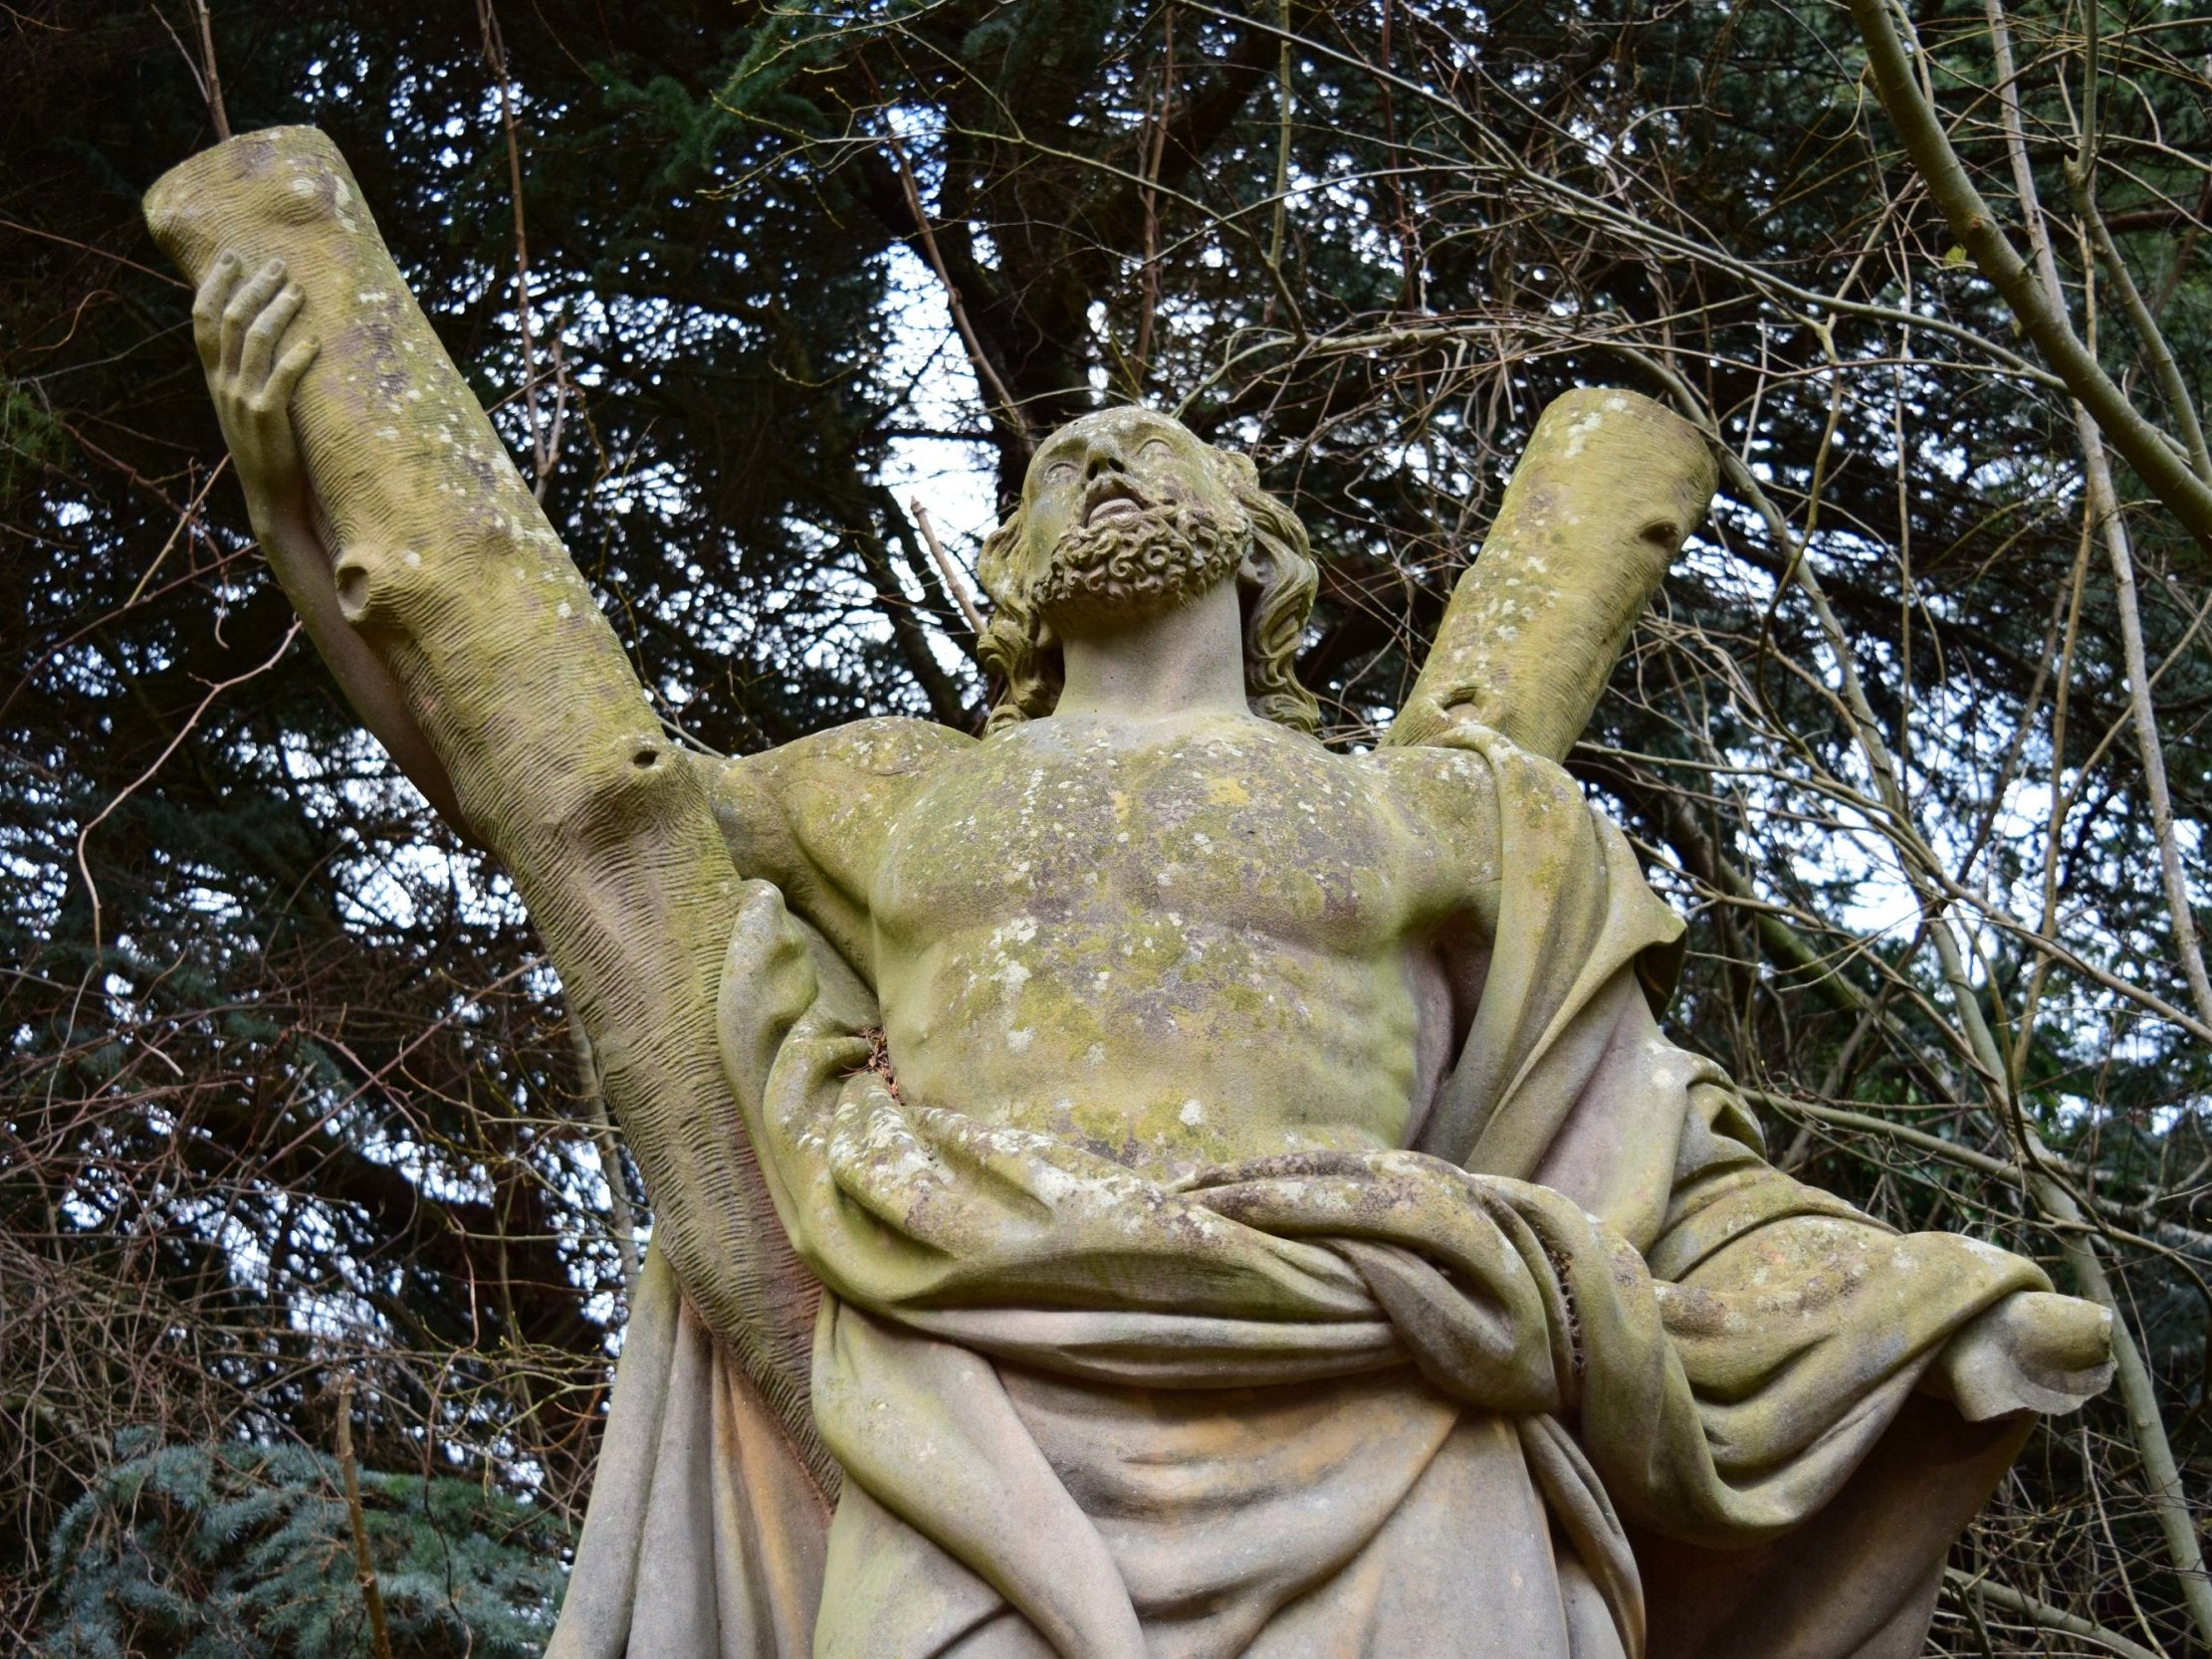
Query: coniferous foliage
235	1550
288	1097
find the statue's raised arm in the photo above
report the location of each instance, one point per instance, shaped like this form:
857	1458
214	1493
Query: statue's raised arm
452	616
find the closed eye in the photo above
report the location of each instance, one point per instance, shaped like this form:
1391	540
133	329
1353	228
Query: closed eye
1156	448
1060	472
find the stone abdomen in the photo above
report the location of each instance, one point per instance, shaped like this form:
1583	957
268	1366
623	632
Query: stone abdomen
1181	944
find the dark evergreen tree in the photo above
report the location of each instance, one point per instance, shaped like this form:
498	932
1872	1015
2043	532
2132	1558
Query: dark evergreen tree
247	1552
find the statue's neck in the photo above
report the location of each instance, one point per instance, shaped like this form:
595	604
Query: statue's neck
1189	660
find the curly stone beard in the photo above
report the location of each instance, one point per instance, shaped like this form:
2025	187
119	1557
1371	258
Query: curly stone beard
1138	564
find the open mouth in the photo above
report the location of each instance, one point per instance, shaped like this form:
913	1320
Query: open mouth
1109	499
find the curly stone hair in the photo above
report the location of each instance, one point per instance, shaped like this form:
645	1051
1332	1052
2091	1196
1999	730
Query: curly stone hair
1277	582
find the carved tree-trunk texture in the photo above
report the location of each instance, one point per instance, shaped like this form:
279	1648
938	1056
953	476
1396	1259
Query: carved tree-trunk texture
1601	500
446	564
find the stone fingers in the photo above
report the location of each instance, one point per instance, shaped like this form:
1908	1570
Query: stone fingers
207	309
258	351
245	307
284	379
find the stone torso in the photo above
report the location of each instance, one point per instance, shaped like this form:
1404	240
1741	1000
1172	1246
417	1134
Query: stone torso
1174	942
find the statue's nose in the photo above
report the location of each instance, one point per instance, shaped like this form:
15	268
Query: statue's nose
1103	456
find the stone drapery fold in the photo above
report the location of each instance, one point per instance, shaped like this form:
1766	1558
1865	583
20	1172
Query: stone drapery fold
1695	1353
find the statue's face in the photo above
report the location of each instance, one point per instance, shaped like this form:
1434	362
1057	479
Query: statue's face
1126	515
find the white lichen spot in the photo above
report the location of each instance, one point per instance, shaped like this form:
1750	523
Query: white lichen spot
1020	1039
1192	1115
564	609
411	558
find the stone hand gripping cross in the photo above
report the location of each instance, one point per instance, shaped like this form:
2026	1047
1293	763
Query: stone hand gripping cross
1348	949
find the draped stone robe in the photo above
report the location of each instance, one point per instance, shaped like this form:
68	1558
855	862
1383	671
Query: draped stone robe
1573	1373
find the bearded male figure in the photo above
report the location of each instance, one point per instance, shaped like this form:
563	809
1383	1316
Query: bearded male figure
1138	1182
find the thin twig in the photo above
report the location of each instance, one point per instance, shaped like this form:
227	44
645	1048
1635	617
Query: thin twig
213	83
2156	348
2171	1235
1283	108
1002	400
185	521
1148	305
365	1564
544	439
954	584
92	888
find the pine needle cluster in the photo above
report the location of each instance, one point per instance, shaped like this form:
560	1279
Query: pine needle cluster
240	1552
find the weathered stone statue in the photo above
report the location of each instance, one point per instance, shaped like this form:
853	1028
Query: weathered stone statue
1139	1182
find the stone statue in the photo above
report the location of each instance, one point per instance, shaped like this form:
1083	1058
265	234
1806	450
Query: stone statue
1139	1182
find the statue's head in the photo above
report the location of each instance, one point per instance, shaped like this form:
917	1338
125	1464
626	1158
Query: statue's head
1125	515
